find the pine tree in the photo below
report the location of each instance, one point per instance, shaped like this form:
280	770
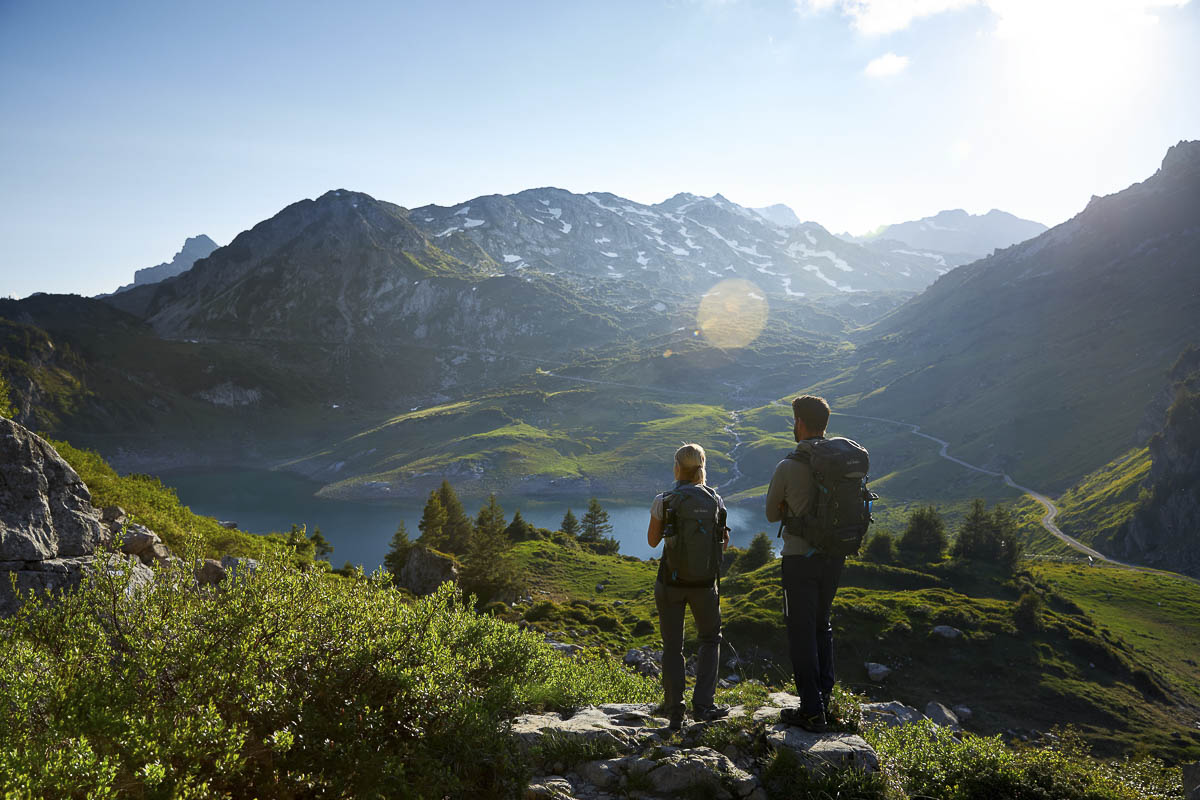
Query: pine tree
398	550
570	525
976	537
880	548
321	546
457	528
433	523
759	552
488	567
595	523
519	530
925	537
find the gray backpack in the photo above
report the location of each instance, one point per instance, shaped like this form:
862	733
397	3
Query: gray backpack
840	510
693	531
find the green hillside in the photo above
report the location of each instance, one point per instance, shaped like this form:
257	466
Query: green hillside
1100	655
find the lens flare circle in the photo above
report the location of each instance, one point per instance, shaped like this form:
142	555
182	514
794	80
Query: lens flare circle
732	314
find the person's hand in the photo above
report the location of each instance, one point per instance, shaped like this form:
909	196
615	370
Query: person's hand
725	541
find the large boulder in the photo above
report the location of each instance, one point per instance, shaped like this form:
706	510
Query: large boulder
49	530
426	570
45	510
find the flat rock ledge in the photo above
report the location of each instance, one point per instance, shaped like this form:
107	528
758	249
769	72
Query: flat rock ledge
650	761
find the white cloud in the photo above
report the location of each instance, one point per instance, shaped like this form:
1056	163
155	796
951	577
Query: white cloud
879	17
886	65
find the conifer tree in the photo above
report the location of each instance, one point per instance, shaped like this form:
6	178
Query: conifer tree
759	552
433	523
519	529
398	549
570	525
880	548
457	528
488	567
321	546
925	536
595	524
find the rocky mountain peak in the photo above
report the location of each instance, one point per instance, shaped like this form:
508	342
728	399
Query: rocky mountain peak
1182	158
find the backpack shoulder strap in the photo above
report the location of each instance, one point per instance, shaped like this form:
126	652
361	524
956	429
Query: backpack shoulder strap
803	456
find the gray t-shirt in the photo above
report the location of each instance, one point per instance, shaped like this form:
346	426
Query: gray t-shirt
792	484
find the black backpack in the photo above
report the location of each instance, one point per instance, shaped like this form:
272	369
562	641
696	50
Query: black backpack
693	531
840	511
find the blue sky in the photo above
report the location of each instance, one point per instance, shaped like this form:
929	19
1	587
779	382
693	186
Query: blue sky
129	126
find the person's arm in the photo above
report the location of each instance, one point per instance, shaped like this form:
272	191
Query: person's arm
777	495
654	532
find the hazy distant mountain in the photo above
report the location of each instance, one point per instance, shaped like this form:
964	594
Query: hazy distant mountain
600	242
780	214
194	248
957	231
1041	358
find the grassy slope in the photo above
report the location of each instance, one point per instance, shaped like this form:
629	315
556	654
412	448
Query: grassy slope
553	431
1141	693
157	507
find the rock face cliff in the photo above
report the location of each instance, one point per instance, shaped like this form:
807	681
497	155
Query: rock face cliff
194	248
1165	530
49	531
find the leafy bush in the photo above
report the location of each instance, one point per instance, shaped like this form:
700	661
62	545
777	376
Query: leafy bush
928	761
787	776
284	683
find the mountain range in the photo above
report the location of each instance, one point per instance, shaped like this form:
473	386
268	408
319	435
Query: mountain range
973	236
520	344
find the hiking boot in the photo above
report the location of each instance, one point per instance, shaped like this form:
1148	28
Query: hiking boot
676	721
712	713
813	723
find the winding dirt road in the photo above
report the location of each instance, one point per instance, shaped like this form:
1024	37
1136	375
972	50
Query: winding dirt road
1046	503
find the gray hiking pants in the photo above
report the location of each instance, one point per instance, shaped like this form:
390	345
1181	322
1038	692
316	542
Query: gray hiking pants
706	611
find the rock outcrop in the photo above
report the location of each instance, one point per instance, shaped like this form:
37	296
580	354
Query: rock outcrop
1161	532
651	761
426	570
49	530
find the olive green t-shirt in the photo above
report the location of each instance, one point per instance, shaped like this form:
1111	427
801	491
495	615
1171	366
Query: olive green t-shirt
792	484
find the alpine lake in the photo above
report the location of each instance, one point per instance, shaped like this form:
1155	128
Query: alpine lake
262	501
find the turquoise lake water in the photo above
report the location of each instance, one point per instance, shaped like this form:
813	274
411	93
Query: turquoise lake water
261	501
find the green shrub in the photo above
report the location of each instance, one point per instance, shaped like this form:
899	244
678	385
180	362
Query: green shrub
286	683
786	776
1027	613
928	761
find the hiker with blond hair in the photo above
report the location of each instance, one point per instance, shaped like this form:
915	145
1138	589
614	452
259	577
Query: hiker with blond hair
690	520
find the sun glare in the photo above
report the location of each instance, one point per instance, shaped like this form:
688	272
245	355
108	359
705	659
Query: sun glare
1069	62
732	314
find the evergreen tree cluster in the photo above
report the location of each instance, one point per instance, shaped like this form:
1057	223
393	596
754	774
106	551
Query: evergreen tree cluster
925	537
482	547
989	536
